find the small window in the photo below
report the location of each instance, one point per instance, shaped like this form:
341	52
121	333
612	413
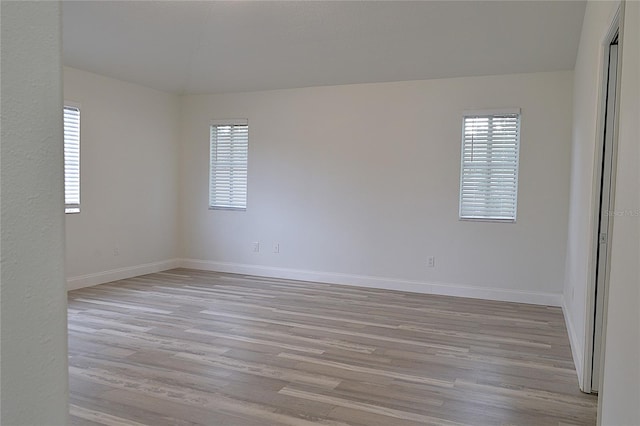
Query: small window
489	169
229	146
71	159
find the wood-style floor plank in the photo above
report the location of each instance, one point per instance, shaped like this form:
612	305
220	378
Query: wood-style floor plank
186	347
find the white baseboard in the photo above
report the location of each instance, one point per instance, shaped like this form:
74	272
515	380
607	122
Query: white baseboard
577	351
89	280
535	298
459	290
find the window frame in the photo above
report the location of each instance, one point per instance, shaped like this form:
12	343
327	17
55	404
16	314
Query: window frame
218	123
72	208
492	113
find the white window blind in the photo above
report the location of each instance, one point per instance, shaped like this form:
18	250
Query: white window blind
489	170
229	146
71	159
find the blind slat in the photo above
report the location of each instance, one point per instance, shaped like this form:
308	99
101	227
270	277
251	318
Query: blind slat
489	169
71	119
229	146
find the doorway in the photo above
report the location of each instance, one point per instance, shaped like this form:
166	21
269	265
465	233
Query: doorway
605	206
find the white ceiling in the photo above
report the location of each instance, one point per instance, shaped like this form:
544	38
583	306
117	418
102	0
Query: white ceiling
212	47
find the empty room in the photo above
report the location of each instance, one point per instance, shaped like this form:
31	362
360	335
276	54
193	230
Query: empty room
320	212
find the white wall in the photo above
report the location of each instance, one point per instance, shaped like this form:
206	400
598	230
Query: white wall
33	338
620	400
129	180
587	81
363	180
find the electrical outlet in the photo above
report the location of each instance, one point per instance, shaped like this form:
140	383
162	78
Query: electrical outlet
116	251
256	246
276	248
431	262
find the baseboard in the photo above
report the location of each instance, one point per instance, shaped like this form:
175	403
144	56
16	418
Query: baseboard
535	298
576	350
89	280
446	289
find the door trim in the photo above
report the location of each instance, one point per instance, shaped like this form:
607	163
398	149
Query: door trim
616	27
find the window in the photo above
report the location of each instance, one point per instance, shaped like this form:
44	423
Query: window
229	146
71	159
489	169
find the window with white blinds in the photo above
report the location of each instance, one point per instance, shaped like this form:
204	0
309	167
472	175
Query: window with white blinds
489	170
229	148
71	159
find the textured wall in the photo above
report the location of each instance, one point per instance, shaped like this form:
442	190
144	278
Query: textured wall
33	342
620	399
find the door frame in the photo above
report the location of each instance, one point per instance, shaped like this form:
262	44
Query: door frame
615	28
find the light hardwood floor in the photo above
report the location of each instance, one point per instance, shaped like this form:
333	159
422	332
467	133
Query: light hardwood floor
187	347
